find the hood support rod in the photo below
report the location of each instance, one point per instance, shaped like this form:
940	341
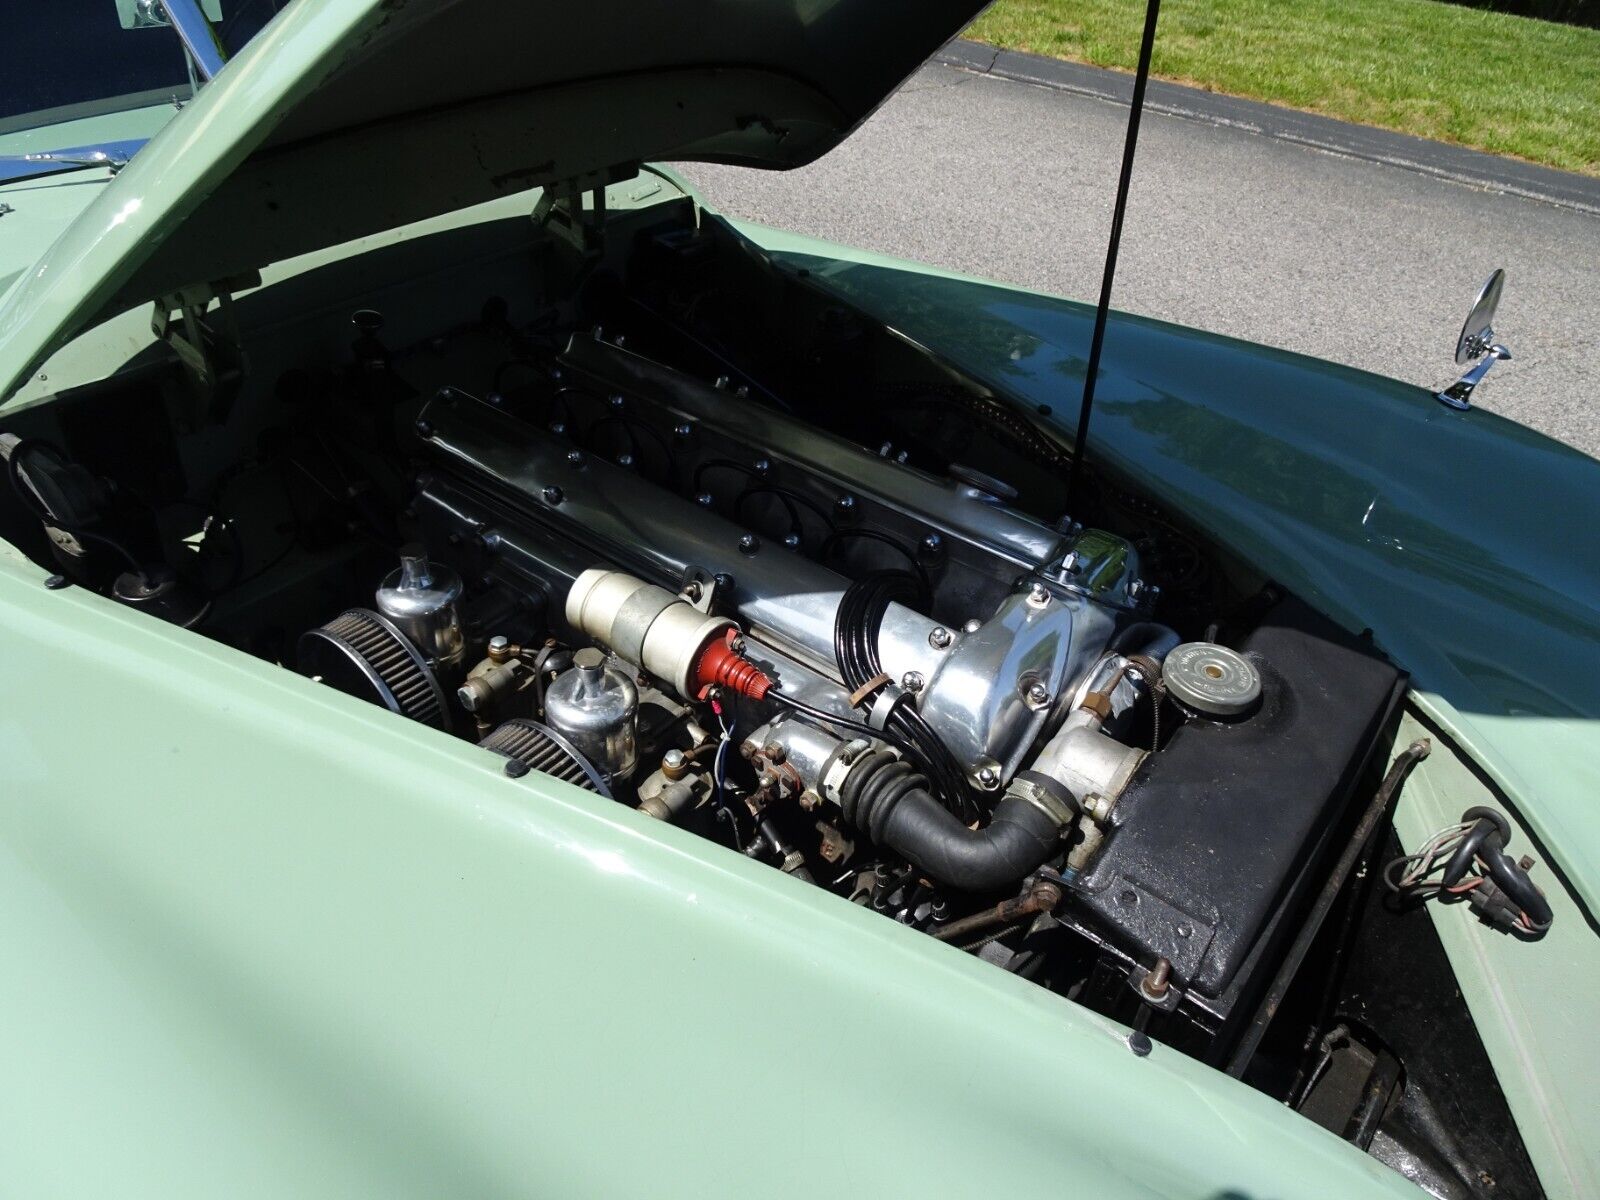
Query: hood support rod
1140	78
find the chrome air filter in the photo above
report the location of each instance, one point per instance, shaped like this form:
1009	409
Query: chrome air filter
540	748
363	655
1211	680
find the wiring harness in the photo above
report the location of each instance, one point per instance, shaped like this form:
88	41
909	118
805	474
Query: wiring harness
855	644
1468	859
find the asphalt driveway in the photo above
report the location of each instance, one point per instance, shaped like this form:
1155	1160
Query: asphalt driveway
1256	236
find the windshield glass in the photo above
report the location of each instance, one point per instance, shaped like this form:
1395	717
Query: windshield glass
69	59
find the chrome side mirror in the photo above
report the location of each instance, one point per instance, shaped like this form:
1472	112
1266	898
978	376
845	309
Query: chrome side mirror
1477	343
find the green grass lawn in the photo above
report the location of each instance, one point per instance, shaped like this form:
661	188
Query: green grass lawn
1510	85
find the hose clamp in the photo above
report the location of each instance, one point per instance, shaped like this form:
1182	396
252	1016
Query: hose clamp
837	769
1047	795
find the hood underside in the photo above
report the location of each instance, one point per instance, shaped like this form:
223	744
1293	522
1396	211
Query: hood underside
343	120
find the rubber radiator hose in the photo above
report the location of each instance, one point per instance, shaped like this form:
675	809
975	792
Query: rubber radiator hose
886	799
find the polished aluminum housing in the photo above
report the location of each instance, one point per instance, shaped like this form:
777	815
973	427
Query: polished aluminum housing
988	687
421	599
623	520
965	513
994	692
596	708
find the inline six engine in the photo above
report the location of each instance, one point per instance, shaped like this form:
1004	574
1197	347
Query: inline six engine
892	683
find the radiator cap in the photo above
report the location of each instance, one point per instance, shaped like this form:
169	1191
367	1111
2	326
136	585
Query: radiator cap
1211	679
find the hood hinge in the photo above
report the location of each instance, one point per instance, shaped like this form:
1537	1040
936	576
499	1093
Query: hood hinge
209	350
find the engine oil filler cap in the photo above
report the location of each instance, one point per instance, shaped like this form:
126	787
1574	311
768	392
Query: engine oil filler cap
1211	679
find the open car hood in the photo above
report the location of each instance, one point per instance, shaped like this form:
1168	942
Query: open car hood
340	120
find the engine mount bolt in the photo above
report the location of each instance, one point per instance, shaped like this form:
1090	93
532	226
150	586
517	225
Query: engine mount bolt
705	499
749	544
792	540
913	681
682	431
940	637
553	495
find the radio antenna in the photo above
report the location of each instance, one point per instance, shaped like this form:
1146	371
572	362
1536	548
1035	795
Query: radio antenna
1140	78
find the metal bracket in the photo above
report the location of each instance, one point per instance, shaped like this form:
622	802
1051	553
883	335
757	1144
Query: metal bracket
704	590
1459	394
560	209
194	21
214	361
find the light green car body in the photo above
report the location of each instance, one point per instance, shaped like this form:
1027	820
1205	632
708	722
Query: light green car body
262	939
